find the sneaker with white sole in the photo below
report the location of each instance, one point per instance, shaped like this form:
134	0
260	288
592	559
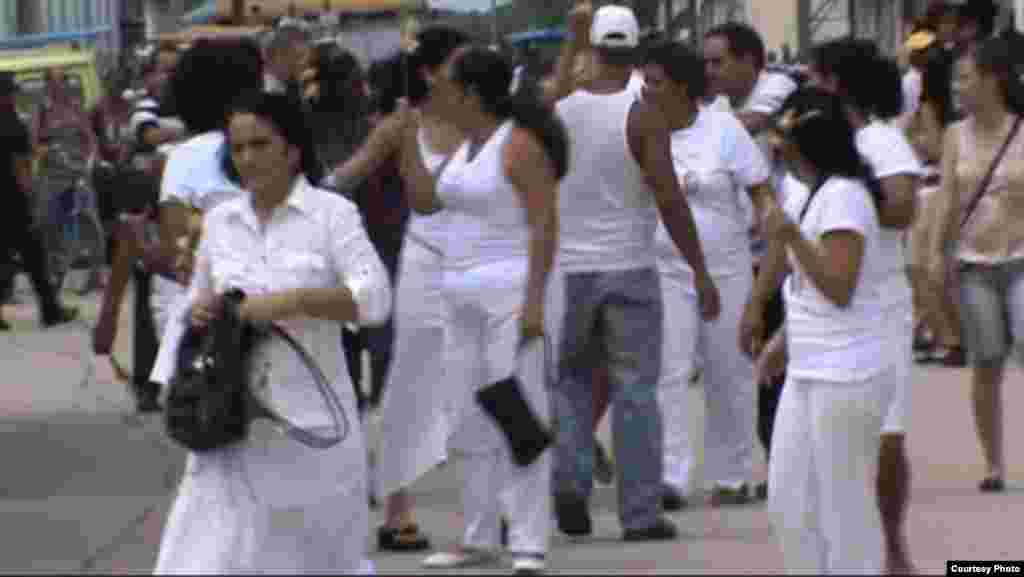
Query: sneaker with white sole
529	564
454	559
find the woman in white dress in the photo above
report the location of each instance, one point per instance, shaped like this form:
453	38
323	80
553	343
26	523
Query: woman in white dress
500	193
721	164
269	504
843	353
414	429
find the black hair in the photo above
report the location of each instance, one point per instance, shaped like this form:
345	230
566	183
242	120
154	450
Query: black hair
682	65
983	13
388	78
339	115
998	56
285	114
743	41
937	83
209	76
936	12
870	81
824	136
433	46
620	56
487	74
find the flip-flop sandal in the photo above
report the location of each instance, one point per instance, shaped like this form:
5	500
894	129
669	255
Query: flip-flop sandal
408	538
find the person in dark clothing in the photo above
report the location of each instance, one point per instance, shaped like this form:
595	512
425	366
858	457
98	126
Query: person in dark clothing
18	234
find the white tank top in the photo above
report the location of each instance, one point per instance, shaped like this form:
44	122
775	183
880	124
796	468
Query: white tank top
428	229
484	210
607	210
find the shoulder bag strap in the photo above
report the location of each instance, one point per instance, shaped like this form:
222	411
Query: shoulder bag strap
983	185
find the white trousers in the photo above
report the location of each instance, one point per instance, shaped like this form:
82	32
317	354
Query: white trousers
822	475
485	304
729	389
414	410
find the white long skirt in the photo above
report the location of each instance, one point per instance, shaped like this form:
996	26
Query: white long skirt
270	505
415	406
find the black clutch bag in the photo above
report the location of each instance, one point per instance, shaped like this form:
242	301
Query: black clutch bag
505	402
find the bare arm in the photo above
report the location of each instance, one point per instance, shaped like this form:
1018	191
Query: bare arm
947	200
834	265
754	122
532	173
650	142
580	18
383	142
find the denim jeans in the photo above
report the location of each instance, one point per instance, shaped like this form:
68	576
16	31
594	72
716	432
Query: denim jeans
613	316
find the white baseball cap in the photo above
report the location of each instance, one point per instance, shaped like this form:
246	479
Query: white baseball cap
615	26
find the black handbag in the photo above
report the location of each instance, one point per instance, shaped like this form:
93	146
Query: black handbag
208	403
212	401
505	403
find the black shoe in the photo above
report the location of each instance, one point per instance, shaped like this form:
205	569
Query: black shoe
672	500
62	316
148	405
4	325
662	530
573	514
992	485
761	491
404	540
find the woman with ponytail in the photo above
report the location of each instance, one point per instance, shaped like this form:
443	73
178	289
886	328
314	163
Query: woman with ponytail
500	192
871	86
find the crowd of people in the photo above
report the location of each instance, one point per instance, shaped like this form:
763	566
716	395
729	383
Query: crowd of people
610	227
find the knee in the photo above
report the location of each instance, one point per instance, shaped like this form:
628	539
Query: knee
986	375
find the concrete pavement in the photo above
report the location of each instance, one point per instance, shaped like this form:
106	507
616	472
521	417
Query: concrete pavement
87	484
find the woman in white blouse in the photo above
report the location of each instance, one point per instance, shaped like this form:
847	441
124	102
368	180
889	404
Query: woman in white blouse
720	164
301	255
843	355
500	192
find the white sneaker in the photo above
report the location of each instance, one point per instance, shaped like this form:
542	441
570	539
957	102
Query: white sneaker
529	564
453	559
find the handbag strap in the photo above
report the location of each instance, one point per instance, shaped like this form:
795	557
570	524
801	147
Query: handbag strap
327	392
983	185
549	378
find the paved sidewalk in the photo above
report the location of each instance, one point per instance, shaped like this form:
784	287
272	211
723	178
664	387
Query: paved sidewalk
87	484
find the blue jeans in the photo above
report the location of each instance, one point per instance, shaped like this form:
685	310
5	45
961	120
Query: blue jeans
616	317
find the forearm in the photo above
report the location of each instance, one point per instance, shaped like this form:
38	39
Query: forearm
682	230
833	283
335	304
563	71
899	200
771	273
543	240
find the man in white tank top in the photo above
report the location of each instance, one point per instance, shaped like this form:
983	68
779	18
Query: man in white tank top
621	177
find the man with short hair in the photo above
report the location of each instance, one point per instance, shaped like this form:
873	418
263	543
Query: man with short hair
621	178
149	124
285	58
735	63
16	231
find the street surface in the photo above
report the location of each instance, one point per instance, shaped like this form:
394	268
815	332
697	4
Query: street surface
86	483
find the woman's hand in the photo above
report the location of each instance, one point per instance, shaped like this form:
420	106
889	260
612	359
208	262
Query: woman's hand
771	363
206	308
707	298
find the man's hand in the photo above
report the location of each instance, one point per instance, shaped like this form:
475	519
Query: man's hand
708	298
580	18
752	328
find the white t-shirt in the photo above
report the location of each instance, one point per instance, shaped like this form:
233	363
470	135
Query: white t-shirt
825	342
887	152
192	176
912	88
717	160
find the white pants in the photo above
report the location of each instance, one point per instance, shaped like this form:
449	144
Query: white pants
414	419
728	377
485	304
822	475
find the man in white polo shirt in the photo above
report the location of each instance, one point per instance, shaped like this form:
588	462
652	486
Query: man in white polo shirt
621	178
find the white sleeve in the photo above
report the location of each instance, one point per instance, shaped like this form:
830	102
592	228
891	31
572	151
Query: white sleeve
888	153
359	267
744	158
847	207
770	93
176	183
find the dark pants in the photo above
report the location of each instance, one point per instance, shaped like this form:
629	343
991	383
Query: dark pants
145	342
768	396
20	237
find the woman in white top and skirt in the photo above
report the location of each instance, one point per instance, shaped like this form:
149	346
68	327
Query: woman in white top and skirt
269	504
500	193
843	355
414	424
